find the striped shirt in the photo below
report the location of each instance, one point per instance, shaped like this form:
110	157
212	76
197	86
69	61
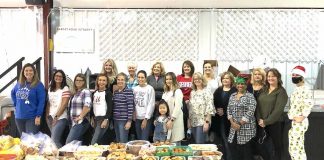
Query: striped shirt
55	100
123	104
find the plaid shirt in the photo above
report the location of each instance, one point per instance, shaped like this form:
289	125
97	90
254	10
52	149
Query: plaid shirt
79	99
242	109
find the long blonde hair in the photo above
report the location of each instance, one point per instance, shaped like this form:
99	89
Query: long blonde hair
114	70
22	78
262	72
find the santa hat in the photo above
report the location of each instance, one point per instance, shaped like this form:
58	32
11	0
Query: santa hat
300	70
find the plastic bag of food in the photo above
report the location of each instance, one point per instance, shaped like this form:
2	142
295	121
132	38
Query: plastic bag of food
30	144
48	147
71	147
6	142
16	150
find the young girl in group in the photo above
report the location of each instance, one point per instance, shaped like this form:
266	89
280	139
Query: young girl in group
161	133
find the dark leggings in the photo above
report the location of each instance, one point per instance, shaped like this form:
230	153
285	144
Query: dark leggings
274	134
240	151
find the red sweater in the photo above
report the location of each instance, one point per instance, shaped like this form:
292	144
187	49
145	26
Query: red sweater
185	86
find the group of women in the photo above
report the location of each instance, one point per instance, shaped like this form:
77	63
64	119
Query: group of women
238	112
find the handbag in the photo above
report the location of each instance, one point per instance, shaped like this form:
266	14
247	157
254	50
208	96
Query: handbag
261	134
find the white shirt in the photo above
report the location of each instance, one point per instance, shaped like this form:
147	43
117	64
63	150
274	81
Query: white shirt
212	85
144	98
55	100
99	103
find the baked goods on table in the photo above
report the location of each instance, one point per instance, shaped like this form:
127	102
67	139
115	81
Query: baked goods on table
163	143
203	147
120	156
173	158
113	147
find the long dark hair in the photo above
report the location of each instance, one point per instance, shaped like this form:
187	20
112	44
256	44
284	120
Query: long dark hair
157	113
190	64
53	83
22	79
174	82
277	74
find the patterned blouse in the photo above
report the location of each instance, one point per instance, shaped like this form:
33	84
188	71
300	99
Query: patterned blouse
200	106
301	102
242	109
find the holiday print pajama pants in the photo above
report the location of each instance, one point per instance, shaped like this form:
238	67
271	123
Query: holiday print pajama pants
296	140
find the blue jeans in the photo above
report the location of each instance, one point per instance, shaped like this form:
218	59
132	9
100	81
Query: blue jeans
57	130
77	131
143	134
159	133
121	132
198	134
27	126
99	132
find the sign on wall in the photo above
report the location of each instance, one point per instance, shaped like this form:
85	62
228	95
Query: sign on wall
72	40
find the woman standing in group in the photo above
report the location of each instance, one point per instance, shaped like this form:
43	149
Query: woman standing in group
212	84
144	98
300	107
132	79
58	99
102	108
109	68
28	97
123	108
173	96
201	108
258	79
79	108
220	123
156	80
209	74
270	109
185	84
240	113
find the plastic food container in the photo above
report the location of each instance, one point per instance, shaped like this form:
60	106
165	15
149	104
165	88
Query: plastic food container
214	154
199	158
134	147
151	158
162	151
181	151
173	158
203	147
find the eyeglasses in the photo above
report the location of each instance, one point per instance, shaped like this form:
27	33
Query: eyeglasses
59	76
79	80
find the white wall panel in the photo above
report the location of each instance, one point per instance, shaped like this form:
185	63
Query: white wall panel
232	36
